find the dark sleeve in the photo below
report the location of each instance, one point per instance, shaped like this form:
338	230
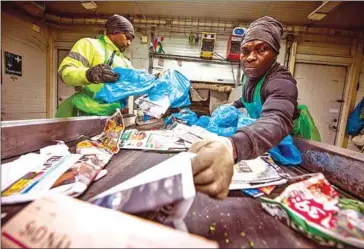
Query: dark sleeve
238	104
275	122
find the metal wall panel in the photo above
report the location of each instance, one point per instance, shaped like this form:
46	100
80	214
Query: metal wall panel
23	97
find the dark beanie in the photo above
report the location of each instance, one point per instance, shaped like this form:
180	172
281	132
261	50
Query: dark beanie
118	24
265	29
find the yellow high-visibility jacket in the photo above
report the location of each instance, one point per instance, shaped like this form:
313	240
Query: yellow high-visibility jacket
86	53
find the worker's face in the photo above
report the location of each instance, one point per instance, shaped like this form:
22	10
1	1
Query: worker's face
256	58
122	40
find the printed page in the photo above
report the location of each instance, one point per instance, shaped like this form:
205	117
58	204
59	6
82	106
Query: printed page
166	188
153	108
57	221
36	183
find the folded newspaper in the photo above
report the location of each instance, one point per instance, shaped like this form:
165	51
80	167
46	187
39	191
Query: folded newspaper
256	173
57	170
314	208
163	193
58	221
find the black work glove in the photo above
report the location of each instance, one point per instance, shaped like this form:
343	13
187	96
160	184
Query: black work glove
101	73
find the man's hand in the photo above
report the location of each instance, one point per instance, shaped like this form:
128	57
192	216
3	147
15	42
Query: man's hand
101	73
213	166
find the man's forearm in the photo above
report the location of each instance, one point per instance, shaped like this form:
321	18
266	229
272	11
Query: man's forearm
258	138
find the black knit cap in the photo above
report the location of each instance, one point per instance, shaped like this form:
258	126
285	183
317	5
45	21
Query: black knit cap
265	29
118	24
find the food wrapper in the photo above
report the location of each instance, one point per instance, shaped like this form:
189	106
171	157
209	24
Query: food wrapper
313	208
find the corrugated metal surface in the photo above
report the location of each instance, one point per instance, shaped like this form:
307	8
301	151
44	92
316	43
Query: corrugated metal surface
24	97
324	45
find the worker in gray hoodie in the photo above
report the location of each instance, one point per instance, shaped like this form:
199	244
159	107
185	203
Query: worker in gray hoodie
270	96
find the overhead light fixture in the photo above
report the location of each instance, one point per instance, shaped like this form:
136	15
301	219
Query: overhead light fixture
89	5
325	8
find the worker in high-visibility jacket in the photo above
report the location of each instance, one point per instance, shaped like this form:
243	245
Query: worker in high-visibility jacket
89	64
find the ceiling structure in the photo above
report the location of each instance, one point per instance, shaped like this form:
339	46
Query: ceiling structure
349	15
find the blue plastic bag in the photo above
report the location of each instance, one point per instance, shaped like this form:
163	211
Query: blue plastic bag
137	82
186	115
131	82
225	116
356	119
203	121
224	121
286	152
176	85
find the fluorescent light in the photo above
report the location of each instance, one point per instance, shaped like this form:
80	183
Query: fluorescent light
325	8
89	5
316	16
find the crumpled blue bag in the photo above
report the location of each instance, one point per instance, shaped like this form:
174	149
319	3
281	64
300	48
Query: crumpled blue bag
203	121
131	82
356	119
226	120
286	153
137	82
186	115
175	85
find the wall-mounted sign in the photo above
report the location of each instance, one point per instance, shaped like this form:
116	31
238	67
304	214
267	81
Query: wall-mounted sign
13	64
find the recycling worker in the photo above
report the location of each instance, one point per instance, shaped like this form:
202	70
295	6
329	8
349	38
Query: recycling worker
270	96
89	64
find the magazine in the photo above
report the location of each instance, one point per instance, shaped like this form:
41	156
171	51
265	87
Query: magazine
167	189
162	140
58	221
256	173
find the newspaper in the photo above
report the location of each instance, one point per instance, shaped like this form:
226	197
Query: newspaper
57	170
167	189
68	174
256	173
58	221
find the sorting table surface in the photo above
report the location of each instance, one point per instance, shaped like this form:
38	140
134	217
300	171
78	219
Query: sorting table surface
230	218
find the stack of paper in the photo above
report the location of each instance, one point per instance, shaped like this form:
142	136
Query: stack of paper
256	173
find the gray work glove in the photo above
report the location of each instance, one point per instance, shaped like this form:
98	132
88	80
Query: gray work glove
101	73
213	166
